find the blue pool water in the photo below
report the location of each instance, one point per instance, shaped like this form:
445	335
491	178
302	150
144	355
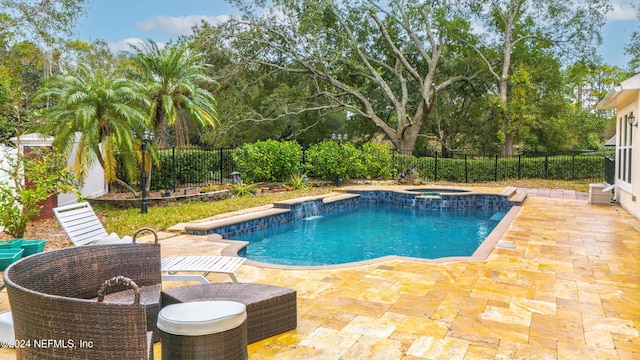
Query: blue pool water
371	231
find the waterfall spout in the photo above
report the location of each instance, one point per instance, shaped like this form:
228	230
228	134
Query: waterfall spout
310	211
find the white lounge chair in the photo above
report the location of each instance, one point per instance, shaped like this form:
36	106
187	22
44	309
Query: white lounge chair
204	264
83	227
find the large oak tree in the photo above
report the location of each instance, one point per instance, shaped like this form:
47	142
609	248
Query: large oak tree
375	60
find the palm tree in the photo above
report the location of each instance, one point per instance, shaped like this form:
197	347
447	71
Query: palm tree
106	110
175	80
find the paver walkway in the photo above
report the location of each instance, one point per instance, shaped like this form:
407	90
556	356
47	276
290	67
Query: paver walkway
556	194
570	289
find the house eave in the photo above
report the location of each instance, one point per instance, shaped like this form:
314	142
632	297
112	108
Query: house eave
612	100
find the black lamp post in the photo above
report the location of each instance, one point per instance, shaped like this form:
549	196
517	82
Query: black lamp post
147	137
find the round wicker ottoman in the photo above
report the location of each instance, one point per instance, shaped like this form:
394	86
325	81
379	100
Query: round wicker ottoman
204	330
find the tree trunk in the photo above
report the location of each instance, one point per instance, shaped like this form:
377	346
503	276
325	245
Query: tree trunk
508	145
147	186
161	128
408	141
127	187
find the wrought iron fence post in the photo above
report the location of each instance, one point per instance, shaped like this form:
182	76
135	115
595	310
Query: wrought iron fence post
173	163
573	168
435	169
395	166
220	167
546	166
495	174
466	169
519	166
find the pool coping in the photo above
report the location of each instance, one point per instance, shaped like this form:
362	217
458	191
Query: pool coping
482	252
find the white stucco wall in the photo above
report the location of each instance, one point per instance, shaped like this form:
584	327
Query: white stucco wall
94	185
628	195
624	98
3	162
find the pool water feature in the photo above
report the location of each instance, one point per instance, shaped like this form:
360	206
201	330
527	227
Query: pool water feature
369	231
310	211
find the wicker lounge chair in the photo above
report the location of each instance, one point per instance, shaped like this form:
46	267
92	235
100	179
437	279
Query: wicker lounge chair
53	296
84	228
271	309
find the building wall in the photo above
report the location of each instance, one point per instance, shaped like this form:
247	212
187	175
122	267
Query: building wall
628	195
93	186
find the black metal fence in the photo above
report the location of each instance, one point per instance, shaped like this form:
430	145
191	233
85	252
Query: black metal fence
464	168
182	168
191	167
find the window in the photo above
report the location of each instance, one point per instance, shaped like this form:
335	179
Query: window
625	145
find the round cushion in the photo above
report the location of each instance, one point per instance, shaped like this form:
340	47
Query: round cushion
201	317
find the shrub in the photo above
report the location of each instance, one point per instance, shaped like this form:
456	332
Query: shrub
377	161
330	160
297	181
268	160
19	203
243	189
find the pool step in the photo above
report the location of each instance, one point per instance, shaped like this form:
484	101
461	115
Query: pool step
518	198
429	196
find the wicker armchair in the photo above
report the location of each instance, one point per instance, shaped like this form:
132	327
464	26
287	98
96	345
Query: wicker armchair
53	297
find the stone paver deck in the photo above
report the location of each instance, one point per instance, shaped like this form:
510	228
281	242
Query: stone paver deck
570	289
555	194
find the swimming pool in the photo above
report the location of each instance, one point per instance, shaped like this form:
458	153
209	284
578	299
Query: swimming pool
369	231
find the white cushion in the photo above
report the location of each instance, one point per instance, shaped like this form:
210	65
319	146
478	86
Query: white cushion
112	238
201	317
6	328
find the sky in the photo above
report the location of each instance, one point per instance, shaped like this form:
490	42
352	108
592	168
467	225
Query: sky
122	21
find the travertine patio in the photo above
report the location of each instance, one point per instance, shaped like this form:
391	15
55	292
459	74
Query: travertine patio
570	289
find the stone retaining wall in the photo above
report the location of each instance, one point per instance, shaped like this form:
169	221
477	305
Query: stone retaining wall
162	201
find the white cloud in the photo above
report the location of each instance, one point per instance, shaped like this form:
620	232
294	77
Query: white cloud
178	25
125	45
623	10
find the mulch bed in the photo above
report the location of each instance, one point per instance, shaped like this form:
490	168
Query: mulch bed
46	229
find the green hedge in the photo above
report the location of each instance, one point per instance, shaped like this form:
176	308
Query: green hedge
268	160
329	160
